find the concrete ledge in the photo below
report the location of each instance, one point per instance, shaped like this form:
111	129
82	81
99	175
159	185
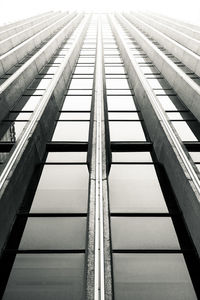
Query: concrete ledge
15	29
13	88
182	38
189	58
174	24
33	148
184	86
21	36
166	151
16	54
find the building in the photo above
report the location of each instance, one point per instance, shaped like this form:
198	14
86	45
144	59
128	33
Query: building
100	157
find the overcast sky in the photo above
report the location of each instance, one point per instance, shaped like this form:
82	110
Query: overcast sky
181	9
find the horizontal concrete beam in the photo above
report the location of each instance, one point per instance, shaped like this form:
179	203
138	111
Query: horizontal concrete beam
180	27
20	37
182	38
15	29
168	148
15	55
188	57
13	88
29	150
185	87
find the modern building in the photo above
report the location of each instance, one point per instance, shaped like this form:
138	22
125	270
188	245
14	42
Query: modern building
100	157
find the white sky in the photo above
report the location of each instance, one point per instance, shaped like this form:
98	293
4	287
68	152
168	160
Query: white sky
13	10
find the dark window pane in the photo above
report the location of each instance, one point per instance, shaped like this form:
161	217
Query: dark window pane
126	131
71	131
131	157
120	102
184	131
62	188
135	188
66	157
143	233
52	233
151	276
46	276
77	102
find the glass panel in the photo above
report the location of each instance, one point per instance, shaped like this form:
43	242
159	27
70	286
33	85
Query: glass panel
158	84
131	157
126	131
65	157
77	103
184	131
13	132
180	116
20	116
40	84
170	102
28	103
62	188
114	70
46	276
71	131
120	103
143	233
51	233
74	116
123	116
135	188
81	84
117	84
151	276
195	156
84	70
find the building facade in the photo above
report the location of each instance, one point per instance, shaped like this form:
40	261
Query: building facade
100	157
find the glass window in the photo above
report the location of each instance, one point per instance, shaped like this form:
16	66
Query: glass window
149	70
66	157
28	103
135	188
195	156
114	59
40	84
143	233
62	189
126	131
20	116
85	59
13	132
71	131
84	70
170	102
117	91
74	116
123	116
120	103
77	103
46	276
151	276
180	116
131	157
117	84
158	84
51	233
184	131
81	84
114	70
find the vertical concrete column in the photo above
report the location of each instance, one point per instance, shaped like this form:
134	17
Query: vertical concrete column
99	279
